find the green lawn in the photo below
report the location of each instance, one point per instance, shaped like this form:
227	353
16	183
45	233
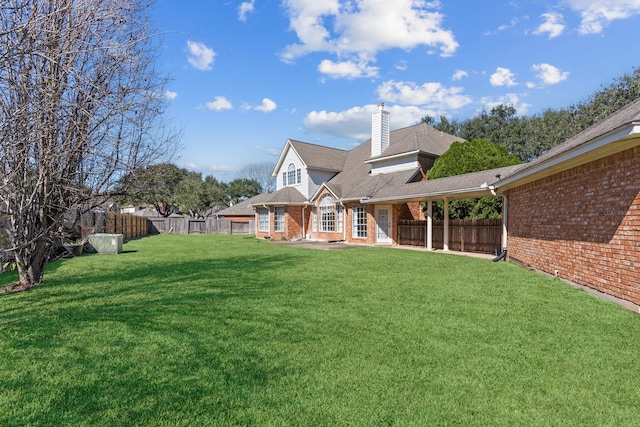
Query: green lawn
230	330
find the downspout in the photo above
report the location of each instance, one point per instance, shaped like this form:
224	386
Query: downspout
505	214
304	231
344	222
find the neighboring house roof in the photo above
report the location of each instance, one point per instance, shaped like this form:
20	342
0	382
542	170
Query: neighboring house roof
284	196
239	209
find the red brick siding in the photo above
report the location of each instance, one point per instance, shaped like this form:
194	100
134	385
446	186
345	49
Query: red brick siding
239	217
293	222
264	234
584	223
371	226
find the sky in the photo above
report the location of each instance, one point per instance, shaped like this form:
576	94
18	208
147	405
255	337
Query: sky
248	75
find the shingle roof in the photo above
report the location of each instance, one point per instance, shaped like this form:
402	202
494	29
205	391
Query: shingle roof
355	181
471	185
319	157
241	208
284	196
420	137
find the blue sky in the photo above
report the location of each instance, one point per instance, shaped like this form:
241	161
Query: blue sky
248	75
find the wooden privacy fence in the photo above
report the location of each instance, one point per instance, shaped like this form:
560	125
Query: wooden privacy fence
130	226
479	235
200	226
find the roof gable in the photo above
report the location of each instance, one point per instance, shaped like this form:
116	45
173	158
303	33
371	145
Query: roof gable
313	156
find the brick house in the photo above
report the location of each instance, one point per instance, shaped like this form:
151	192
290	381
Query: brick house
573	212
322	192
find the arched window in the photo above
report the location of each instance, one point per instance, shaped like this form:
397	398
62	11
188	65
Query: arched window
327	214
291	174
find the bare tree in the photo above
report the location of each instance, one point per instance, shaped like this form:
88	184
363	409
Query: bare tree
261	173
80	105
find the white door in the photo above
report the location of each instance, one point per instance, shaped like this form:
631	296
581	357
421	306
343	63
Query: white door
383	224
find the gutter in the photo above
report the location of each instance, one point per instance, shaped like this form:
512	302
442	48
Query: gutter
426	195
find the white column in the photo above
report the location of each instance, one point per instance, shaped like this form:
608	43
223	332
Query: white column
505	214
446	225
430	225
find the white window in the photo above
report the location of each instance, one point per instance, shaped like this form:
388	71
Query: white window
263	219
359	221
278	218
339	218
327	214
291	174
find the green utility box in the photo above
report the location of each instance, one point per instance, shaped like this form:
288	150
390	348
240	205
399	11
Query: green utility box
106	243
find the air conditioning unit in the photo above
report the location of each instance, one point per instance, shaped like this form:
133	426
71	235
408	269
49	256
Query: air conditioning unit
106	243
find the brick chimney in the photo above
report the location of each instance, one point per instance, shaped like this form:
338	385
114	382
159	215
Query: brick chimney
379	131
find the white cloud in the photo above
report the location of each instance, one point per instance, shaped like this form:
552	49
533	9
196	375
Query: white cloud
200	56
355	123
596	14
220	103
170	95
245	8
508	99
548	74
362	29
347	69
553	25
503	27
502	77
267	106
459	75
431	95
402	65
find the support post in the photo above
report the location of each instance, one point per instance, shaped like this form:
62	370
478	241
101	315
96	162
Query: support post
430	225
505	214
445	240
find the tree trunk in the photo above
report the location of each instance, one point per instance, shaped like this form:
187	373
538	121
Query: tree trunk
31	263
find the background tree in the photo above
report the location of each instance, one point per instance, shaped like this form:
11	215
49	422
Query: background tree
80	105
241	189
262	174
467	157
155	185
196	196
444	124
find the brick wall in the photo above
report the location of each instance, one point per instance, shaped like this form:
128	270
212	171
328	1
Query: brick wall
293	222
371	226
583	223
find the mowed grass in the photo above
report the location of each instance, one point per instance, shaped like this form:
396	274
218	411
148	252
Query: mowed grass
230	330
